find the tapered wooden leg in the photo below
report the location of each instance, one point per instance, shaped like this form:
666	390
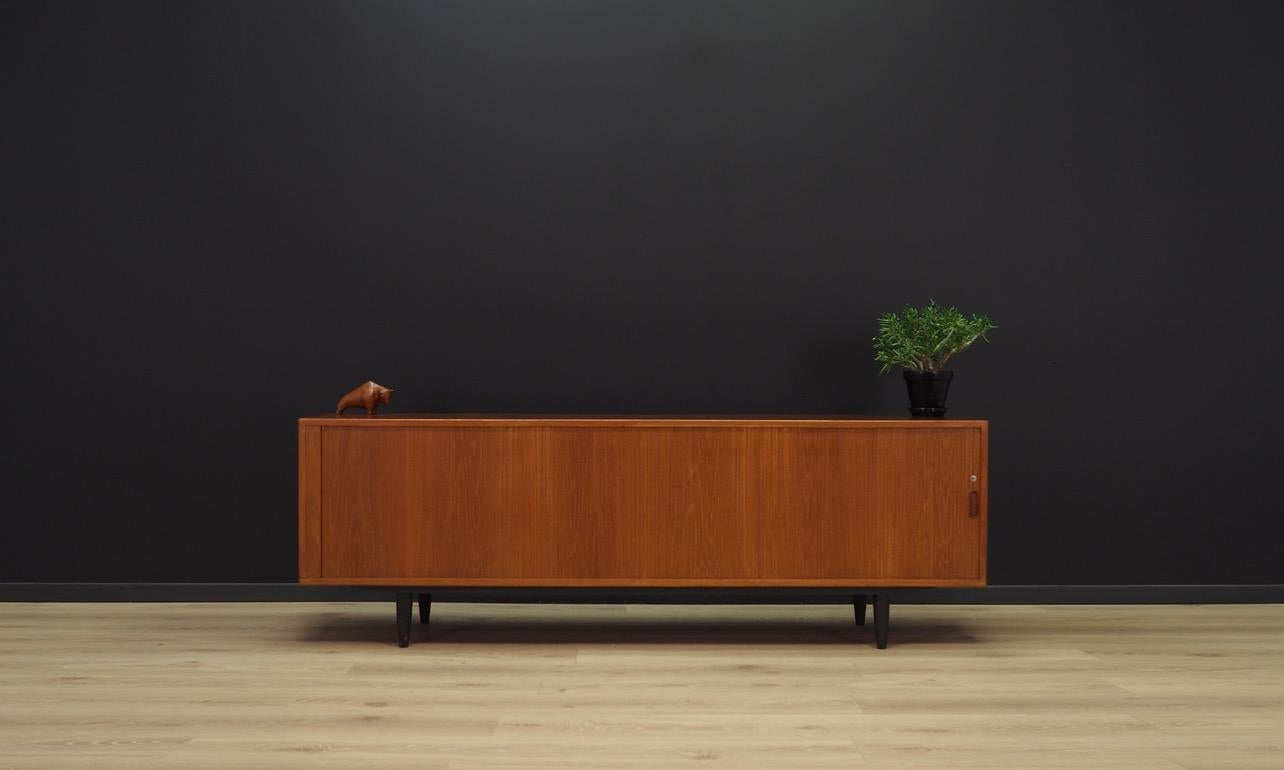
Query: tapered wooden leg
882	615
858	604
425	608
404	600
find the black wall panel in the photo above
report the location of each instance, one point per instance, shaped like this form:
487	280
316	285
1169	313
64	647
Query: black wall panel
219	216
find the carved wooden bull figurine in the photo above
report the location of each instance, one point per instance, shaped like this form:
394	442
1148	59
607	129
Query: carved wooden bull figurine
369	395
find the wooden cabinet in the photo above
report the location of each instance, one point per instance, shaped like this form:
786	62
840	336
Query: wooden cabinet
516	501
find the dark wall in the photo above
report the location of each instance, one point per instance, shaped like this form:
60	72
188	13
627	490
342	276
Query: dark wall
219	216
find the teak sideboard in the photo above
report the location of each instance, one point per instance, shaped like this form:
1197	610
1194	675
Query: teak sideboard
416	502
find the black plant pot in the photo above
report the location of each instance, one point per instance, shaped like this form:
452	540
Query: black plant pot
927	392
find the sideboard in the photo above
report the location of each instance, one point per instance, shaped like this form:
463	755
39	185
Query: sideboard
416	502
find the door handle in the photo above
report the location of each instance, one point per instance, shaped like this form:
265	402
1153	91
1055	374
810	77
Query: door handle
973	509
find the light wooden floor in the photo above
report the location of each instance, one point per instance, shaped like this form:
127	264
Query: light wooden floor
557	686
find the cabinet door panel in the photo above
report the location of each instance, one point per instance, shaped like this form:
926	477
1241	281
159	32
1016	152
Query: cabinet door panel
646	505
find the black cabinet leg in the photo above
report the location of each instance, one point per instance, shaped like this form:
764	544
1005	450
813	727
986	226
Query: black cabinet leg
858	604
404	599
882	615
425	608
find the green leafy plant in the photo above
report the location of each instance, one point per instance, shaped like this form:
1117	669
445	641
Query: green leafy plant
923	339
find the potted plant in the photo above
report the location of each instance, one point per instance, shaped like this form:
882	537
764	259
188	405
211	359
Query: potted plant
922	340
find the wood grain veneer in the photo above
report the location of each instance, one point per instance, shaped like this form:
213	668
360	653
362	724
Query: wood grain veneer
633	501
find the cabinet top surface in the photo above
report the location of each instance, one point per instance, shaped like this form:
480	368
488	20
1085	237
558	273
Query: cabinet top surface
631	420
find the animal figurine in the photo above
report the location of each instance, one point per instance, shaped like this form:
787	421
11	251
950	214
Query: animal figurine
369	395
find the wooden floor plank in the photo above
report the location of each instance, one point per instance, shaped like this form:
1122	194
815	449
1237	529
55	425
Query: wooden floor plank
614	686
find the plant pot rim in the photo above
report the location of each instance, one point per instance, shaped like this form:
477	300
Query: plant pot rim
942	373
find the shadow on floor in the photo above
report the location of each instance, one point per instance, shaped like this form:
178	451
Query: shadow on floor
334	627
